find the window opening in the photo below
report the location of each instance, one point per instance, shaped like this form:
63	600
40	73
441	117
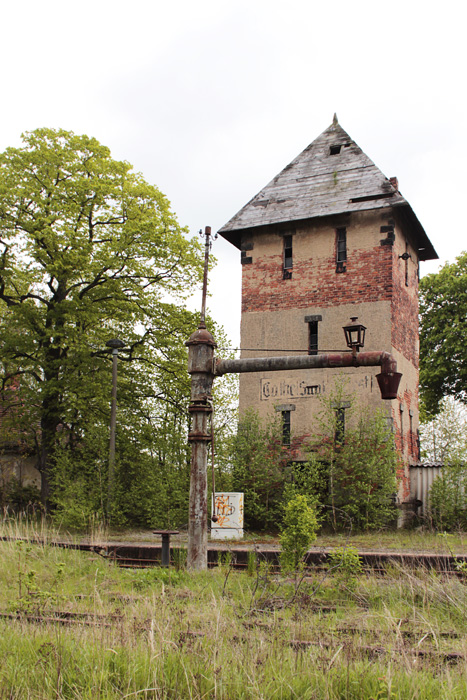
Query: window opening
285	427
411	435
401	411
340	408
341	249
340	426
313	338
371	197
406	263
335	150
288	261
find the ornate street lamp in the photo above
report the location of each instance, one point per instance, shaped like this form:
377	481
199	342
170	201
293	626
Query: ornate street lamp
354	335
115	345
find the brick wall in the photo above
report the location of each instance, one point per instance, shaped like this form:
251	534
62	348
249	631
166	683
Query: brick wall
368	275
314	282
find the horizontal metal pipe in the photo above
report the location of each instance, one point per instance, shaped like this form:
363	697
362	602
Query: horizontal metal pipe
327	359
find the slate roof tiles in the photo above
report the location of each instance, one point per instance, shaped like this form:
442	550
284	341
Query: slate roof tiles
331	176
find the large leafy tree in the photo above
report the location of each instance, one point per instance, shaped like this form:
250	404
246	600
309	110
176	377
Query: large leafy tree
88	251
443	334
444	437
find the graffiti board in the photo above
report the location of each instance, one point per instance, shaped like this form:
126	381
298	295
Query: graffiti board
228	507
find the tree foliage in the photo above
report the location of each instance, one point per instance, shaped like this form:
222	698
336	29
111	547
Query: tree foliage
443	334
448	498
261	469
90	251
348	475
444	437
357	466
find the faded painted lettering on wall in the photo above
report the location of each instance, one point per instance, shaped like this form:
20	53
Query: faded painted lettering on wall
288	389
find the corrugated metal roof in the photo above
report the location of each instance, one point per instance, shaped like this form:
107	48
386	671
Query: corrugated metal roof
331	176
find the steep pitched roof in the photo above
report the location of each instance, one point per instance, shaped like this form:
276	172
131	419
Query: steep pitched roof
331	176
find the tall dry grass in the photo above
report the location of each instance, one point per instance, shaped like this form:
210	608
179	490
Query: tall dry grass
75	626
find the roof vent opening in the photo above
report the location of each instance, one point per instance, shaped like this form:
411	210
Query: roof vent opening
335	150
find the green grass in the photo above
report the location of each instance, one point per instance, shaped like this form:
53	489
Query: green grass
398	540
164	634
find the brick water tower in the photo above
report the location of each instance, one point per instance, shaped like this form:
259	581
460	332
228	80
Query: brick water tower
328	239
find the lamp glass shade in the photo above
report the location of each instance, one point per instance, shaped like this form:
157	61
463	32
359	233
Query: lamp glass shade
354	334
115	344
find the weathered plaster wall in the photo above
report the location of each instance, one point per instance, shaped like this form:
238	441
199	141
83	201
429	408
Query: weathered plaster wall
405	344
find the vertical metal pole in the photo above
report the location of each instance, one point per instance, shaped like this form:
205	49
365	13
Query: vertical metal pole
113	424
165	553
201	367
207	247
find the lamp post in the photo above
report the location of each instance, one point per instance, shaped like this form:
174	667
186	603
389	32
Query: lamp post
354	335
115	345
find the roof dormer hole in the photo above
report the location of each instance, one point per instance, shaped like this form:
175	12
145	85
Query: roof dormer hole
335	150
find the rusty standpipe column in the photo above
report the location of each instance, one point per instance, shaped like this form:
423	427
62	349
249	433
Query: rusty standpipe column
201	367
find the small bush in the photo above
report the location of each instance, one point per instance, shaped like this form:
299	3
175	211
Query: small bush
19	498
261	469
298	532
448	498
355	463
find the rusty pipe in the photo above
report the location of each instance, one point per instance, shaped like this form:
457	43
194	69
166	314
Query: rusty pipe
388	379
327	359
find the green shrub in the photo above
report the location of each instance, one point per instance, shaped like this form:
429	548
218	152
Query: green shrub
448	498
19	498
260	469
298	532
358	464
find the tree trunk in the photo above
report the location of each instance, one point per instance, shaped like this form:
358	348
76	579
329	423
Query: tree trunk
52	397
49	425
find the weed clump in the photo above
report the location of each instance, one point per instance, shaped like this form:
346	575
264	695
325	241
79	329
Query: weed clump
346	565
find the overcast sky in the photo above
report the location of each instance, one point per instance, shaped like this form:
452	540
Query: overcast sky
211	99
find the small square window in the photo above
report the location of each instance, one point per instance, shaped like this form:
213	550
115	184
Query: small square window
335	150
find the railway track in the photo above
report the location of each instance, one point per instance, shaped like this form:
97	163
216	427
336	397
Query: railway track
129	555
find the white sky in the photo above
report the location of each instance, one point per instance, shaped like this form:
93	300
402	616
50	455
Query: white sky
211	99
